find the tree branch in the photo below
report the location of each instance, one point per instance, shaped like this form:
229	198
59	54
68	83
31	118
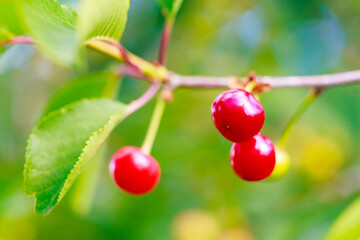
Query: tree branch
322	81
151	72
180	81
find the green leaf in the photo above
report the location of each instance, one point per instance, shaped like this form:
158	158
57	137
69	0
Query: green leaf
61	145
5	34
347	225
105	18
170	8
52	25
93	85
11	23
165	4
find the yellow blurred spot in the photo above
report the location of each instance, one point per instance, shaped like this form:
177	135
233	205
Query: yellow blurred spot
14	229
237	234
321	158
282	164
195	224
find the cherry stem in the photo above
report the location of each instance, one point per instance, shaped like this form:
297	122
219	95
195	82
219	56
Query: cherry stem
310	98
250	86
160	103
154	125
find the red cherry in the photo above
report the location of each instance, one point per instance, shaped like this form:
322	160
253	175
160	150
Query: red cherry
253	160
237	115
133	171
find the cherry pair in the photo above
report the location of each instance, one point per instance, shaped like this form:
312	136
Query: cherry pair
239	117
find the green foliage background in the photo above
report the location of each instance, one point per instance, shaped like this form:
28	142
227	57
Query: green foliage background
211	37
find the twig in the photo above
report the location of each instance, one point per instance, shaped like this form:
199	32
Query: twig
150	71
325	80
165	37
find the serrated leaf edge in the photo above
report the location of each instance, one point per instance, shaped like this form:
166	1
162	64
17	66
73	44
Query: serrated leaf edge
28	145
71	175
91	147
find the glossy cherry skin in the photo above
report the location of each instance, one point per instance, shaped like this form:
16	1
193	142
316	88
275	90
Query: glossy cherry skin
253	160
237	114
133	171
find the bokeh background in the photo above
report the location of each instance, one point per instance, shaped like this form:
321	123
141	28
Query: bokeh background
199	197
